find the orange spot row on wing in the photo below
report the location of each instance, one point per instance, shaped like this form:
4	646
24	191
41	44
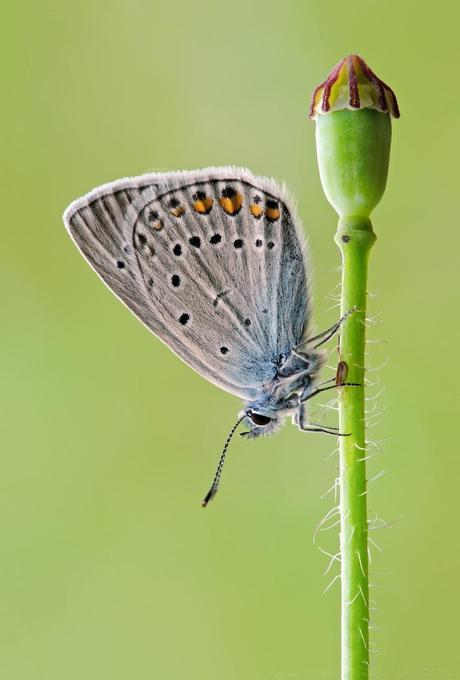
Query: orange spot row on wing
230	204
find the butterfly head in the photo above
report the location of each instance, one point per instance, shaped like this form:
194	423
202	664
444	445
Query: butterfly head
260	422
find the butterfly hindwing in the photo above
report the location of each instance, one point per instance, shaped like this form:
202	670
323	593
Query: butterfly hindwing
211	261
95	222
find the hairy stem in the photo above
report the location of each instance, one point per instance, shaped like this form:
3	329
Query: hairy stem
355	238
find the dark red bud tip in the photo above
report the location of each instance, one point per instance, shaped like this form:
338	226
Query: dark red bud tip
353	85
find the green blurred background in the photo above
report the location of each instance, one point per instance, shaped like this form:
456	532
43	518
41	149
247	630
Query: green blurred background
109	568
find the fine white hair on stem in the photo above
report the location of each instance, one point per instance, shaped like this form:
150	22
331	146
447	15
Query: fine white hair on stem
333	488
374	424
372	542
377	522
336	306
388	525
370	323
368	457
335	293
373	397
371	405
377	368
360	448
370	412
362	637
372	383
333	512
331	583
330	405
373	320
377	476
374	369
331	526
331	454
362	595
360	562
351	532
377	444
328	554
371	421
334	558
349	602
335	297
326	493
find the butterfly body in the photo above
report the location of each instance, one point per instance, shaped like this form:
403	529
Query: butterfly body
286	393
213	262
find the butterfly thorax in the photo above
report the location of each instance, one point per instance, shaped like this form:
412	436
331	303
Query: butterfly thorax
294	381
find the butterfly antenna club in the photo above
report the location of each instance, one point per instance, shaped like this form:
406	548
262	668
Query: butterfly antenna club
215	482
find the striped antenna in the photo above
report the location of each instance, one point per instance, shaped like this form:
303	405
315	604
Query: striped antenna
215	482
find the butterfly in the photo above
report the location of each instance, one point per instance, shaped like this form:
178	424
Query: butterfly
214	263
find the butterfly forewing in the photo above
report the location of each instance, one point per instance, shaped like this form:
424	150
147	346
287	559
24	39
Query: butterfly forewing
211	261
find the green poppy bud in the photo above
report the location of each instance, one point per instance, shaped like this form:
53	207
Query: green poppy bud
353	110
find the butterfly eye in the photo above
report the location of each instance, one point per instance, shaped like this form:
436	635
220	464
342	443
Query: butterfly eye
259	419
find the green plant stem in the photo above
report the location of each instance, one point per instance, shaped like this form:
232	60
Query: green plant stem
355	238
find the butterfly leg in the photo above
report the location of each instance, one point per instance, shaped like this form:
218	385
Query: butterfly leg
313	427
327	334
306	394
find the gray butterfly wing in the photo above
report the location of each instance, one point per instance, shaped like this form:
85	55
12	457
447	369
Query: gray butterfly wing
95	224
212	262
